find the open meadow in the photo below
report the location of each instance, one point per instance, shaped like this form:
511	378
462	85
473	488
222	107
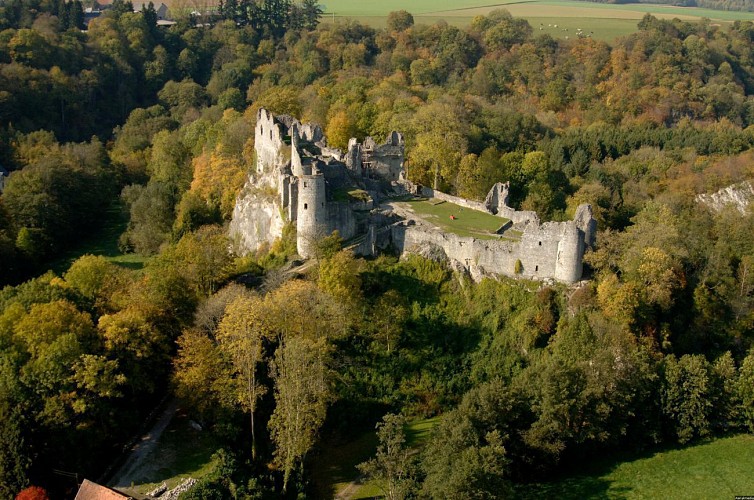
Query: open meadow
557	18
720	468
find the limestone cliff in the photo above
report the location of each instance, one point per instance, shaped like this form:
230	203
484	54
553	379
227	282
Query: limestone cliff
257	216
738	195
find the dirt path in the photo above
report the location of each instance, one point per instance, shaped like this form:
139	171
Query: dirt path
350	490
126	474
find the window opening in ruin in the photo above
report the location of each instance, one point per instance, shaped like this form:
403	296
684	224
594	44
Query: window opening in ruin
304	184
540	243
306	205
536	268
323	203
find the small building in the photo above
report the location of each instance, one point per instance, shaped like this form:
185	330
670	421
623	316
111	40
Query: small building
163	13
91	13
93	491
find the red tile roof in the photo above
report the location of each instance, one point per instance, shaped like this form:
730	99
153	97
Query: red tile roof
93	491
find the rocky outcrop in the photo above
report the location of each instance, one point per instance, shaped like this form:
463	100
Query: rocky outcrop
739	196
257	218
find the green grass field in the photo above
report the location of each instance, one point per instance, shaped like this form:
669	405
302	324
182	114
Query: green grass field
336	468
103	241
602	21
467	223
718	469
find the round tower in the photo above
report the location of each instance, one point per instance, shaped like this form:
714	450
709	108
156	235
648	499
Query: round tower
568	266
311	221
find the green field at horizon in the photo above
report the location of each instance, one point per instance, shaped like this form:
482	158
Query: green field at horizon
602	21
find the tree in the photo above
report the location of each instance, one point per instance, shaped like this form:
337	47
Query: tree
33	493
311	11
203	259
686	398
241	336
394	467
465	457
13	459
202	375
745	391
340	129
302	392
399	20
339	276
152	216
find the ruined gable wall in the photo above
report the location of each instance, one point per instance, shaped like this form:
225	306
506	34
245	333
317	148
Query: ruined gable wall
387	158
268	143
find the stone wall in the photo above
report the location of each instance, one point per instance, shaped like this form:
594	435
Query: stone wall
268	142
553	250
428	192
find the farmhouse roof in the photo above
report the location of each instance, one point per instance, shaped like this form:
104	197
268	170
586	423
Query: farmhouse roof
94	491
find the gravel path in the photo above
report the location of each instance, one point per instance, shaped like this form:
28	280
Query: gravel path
127	474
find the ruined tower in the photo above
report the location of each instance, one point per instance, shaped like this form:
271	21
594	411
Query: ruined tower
568	262
311	220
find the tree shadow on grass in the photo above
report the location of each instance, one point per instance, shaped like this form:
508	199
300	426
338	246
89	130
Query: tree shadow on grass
574	488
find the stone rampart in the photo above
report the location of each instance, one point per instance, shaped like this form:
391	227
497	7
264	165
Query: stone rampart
553	250
428	192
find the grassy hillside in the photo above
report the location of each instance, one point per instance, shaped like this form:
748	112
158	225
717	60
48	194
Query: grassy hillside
717	469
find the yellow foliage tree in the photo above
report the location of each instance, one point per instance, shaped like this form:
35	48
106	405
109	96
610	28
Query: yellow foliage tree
340	129
217	180
241	336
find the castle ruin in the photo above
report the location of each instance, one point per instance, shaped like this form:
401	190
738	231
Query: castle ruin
300	179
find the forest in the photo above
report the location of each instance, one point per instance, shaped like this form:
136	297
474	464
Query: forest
155	124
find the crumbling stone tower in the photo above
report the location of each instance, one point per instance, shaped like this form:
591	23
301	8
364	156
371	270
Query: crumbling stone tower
311	216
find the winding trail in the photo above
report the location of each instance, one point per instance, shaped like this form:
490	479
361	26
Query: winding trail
127	473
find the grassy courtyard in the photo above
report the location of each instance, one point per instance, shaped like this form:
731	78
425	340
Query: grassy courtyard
467	222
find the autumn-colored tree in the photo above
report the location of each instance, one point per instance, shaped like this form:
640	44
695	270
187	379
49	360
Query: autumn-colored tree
202	375
302	393
33	493
340	129
241	335
217	180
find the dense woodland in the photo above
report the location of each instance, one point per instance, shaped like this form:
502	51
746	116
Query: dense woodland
655	349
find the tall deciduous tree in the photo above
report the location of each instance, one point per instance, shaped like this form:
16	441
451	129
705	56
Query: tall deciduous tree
393	468
241	336
302	391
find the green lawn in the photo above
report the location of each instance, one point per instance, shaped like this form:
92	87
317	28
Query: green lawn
336	468
467	222
721	468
